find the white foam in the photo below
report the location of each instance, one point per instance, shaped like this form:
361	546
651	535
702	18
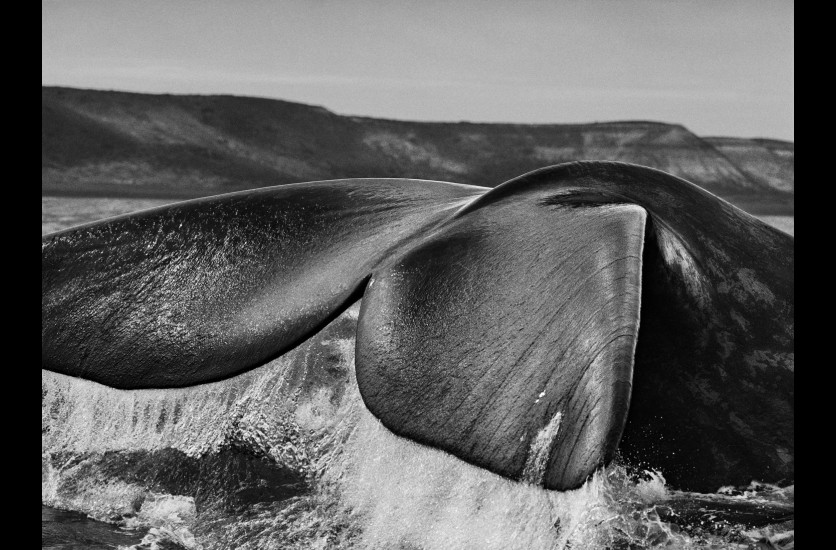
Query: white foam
370	488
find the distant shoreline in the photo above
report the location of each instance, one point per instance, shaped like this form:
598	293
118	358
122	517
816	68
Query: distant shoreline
114	144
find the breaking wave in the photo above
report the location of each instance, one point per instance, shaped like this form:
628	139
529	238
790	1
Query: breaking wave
287	456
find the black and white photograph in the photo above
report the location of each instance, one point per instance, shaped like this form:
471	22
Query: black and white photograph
417	275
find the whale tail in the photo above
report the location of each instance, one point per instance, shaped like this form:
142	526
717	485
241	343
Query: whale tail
532	329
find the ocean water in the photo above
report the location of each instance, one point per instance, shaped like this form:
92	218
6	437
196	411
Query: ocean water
784	223
287	456
62	212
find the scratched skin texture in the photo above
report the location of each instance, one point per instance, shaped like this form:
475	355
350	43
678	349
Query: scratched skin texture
626	308
205	289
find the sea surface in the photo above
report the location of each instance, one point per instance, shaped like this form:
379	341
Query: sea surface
784	223
287	456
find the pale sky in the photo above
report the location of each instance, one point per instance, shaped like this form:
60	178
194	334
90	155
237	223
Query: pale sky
720	67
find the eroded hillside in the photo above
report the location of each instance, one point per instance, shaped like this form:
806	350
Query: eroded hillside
101	142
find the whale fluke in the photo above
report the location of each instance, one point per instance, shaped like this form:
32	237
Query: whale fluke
713	385
202	290
508	338
533	329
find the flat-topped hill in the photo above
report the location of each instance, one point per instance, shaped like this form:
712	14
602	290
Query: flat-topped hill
118	143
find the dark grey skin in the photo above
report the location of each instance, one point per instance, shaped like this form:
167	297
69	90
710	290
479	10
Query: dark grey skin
536	329
507	317
712	376
206	289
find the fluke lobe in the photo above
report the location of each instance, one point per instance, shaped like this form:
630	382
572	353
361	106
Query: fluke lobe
535	329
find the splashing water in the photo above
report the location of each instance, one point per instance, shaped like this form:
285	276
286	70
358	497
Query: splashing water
534	470
287	456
